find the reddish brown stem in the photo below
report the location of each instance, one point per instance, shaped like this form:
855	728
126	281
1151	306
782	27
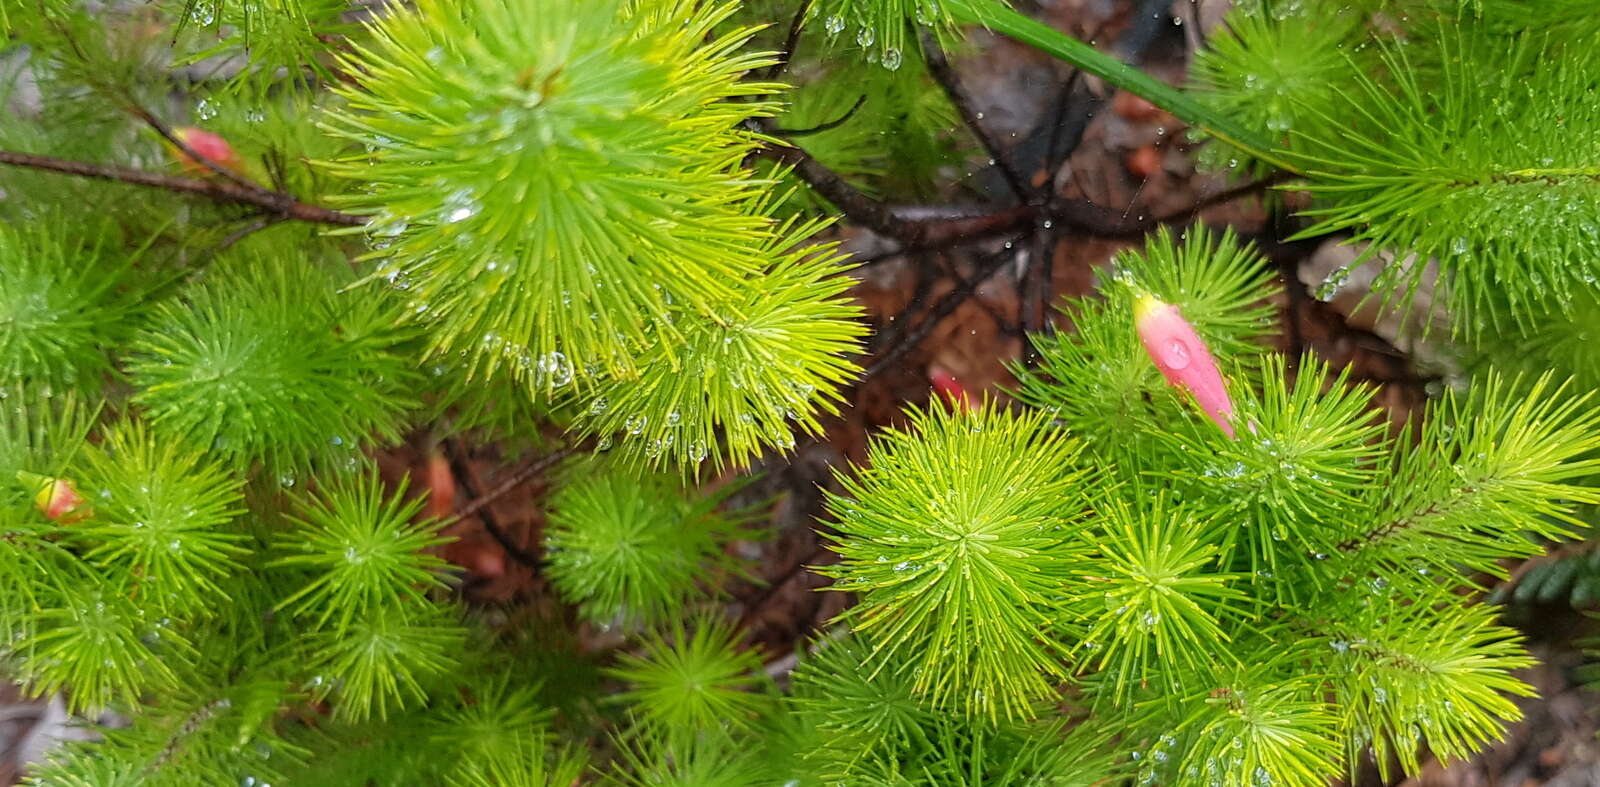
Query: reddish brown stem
275	203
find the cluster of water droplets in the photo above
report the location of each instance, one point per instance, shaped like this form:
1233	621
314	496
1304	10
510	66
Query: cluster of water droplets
1332	284
891	57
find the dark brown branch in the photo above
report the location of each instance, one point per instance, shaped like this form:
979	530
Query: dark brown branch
273	202
939	68
855	205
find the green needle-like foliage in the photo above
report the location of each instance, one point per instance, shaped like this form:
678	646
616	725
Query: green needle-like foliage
1251	731
1436	674
572	235
1293	479
1147	602
869	728
1490	470
605	128
492	721
747	375
1267	71
95	642
271	33
261	363
633	550
706	762
533	764
957	537
160	516
1482	166
690	682
61	304
360	549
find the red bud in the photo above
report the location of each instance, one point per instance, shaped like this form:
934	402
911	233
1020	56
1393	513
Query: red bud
949	387
57	498
209	146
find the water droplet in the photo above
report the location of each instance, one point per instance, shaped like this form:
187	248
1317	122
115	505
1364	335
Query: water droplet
833	24
460	206
673	418
1175	355
555	369
203	13
891	59
1459	245
205	109
287	480
635	424
697	451
865	36
599	406
1331	285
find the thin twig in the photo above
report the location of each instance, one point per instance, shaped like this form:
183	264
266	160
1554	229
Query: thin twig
246	231
1226	195
491	524
276	203
791	43
946	305
527	473
167	134
828	126
939	68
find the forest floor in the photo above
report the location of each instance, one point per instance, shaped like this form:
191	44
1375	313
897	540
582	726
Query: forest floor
956	314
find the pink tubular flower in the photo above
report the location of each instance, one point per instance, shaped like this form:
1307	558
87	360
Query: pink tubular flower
1182	358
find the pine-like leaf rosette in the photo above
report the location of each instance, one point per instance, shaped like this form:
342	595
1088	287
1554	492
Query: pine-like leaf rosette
547	177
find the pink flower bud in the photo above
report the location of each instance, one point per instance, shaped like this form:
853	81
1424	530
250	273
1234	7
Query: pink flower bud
207	145
1182	358
57	498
